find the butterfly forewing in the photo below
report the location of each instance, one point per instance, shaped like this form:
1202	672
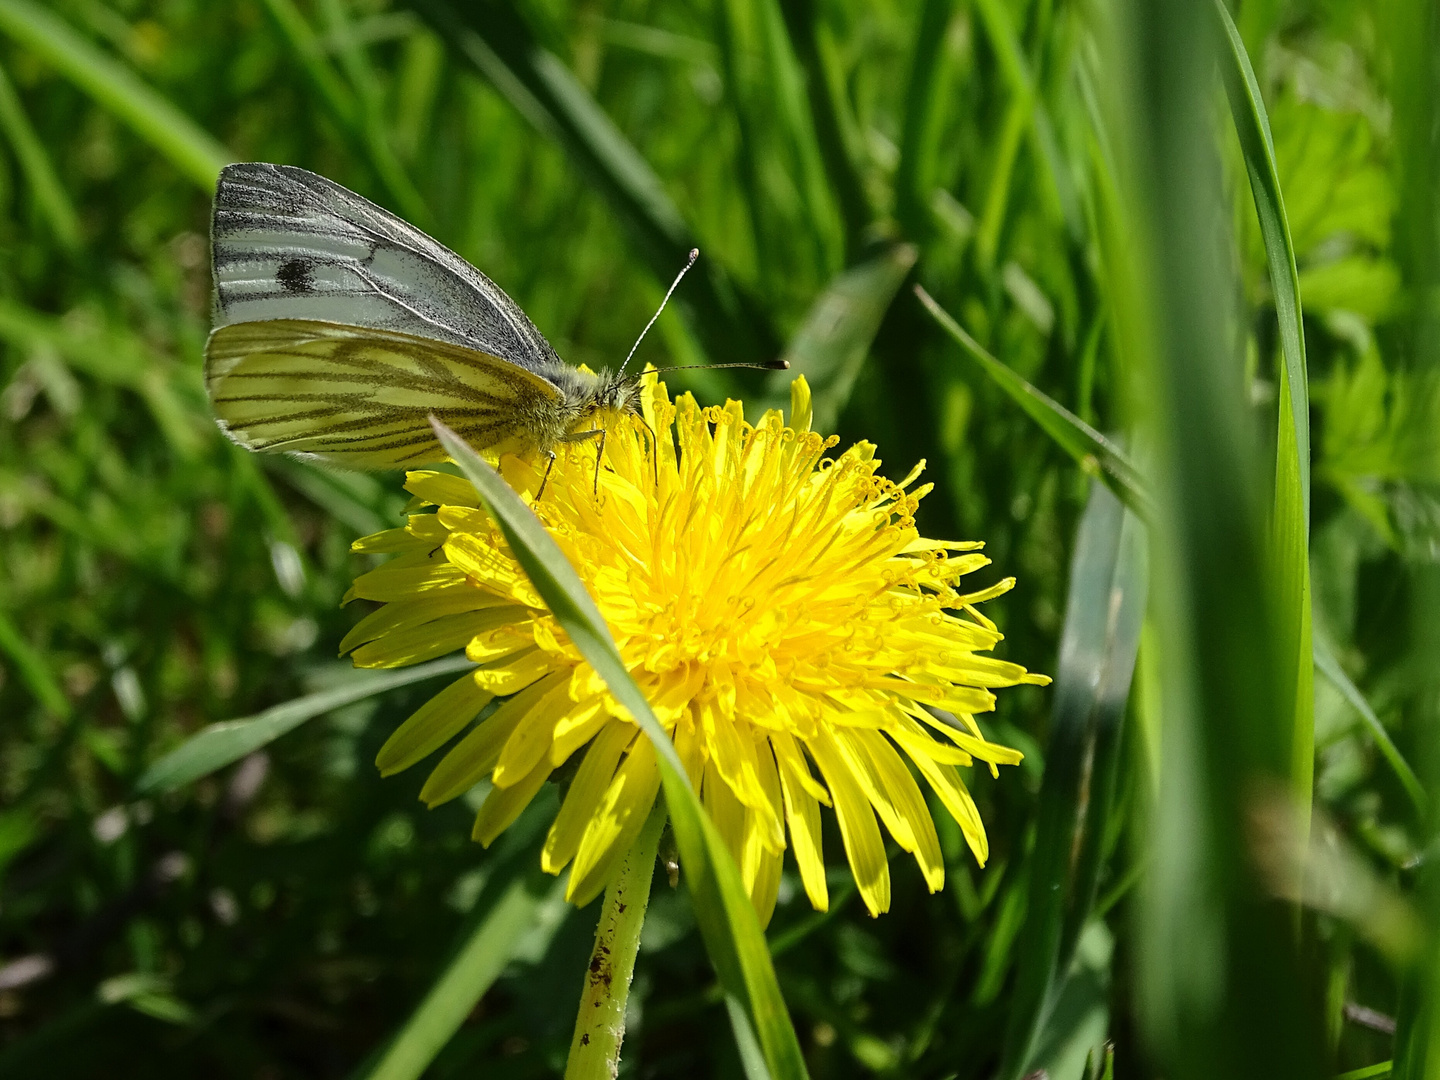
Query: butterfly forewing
363	396
288	244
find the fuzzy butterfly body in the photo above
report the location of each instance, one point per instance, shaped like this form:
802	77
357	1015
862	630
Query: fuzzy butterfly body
340	330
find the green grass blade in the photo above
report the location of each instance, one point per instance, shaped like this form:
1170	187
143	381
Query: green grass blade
50	196
218	745
1330	667
371	118
1252	125
117	89
924	101
1221	988
828	111
1413	32
1098	646
1290	527
830	346
1369	1072
339	99
728	924
768	88
1027	115
496	42
472	971
30	665
1093	452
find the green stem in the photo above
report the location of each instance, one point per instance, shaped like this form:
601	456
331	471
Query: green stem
600	1025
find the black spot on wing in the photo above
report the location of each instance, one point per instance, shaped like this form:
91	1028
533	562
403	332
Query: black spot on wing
296	276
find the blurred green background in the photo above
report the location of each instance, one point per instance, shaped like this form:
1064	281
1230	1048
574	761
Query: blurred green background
285	916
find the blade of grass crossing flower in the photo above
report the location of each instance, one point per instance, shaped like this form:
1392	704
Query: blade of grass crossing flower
496	42
524	894
1369	1072
1290	525
221	744
1093	452
1098	646
50	196
116	88
1331	669
728	923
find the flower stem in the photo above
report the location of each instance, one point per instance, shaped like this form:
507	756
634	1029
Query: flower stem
600	1025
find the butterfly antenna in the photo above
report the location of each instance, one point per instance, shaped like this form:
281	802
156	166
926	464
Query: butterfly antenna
694	254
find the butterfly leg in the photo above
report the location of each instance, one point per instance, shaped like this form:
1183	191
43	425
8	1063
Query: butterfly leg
546	478
599	435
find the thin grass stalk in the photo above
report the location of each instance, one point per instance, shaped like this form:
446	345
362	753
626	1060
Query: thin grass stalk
600	1022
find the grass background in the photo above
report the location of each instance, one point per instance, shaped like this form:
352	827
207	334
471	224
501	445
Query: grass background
1069	182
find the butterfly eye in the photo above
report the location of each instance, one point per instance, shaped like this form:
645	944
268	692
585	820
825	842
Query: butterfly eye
296	276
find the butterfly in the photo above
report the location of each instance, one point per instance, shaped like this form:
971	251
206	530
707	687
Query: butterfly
340	330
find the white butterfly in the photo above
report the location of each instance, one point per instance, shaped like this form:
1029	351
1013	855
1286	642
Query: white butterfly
340	330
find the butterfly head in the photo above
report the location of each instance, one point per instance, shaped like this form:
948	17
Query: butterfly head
588	401
615	393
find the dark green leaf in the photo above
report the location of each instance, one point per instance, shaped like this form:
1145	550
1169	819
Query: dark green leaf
1331	669
1098	646
830	347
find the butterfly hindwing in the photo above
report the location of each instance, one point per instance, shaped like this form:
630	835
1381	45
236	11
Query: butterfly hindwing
288	244
363	397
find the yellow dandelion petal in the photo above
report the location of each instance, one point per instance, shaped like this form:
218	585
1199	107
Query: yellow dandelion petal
858	830
432	725
802	814
529	743
392	582
441	489
906	803
793	632
404	615
515	673
577	727
474	757
504	804
388	542
425	641
582	801
616	823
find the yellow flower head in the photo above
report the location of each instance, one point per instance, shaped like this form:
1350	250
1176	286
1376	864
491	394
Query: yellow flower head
789	626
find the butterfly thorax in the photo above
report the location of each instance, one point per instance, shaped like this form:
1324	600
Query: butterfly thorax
588	400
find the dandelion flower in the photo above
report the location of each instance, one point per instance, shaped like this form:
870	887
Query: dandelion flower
794	634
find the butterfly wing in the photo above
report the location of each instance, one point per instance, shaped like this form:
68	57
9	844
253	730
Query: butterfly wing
288	244
363	397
